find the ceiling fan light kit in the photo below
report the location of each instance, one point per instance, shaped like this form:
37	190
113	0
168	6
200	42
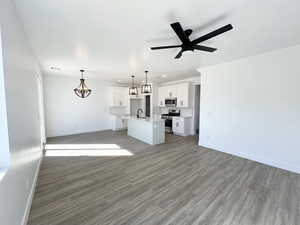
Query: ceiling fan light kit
133	90
187	44
146	88
82	91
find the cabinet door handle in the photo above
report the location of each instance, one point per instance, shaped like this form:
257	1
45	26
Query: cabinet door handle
120	102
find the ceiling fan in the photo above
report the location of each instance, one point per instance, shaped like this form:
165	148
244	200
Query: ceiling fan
187	44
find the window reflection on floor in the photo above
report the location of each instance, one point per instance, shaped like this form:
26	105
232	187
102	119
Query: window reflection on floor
64	150
2	173
82	146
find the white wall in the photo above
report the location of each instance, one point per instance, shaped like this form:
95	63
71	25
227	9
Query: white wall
4	146
20	69
68	114
250	107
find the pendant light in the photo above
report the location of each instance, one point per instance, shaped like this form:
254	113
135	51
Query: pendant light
82	90
133	89
146	88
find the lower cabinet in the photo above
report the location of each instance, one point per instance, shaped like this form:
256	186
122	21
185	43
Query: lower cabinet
181	125
118	123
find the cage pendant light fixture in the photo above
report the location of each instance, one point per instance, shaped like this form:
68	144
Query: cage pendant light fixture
133	89
82	91
146	88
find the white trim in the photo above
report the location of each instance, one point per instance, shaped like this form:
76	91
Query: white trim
194	80
277	164
41	108
4	138
31	194
85	132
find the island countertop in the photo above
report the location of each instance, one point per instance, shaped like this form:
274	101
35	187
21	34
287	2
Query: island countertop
147	119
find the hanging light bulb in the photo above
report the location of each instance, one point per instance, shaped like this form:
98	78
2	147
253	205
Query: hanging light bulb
146	88
82	90
133	89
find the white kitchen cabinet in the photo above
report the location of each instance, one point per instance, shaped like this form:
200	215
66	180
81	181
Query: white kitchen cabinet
150	130
181	125
179	91
183	90
171	91
162	95
120	96
119	123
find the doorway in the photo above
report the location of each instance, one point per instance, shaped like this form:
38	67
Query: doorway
4	139
41	115
197	109
147	105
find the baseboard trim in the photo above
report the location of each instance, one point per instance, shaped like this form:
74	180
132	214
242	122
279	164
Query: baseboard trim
79	133
31	194
284	166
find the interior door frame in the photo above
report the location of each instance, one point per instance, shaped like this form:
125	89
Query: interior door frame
4	136
41	115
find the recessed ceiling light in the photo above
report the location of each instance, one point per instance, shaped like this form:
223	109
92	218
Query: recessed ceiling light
54	68
119	81
164	75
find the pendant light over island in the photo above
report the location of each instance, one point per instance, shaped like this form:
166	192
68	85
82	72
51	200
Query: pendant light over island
133	90
146	88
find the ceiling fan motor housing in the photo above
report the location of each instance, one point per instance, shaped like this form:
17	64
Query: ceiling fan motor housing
187	44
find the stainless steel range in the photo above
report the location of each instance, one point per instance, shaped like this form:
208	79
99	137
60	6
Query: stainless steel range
168	119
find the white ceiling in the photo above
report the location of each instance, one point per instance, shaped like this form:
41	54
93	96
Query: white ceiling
111	39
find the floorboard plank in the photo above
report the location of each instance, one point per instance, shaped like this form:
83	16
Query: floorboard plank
174	183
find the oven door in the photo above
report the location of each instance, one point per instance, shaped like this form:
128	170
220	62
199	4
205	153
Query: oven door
168	125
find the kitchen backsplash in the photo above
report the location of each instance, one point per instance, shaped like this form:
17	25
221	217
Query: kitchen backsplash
117	110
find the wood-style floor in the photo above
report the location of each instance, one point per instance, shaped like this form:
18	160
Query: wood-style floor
173	183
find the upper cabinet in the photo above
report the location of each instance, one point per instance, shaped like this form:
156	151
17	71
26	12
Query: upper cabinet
183	94
120	96
162	94
171	91
179	91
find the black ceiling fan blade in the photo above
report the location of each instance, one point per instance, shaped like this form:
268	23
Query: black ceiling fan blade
213	34
178	55
204	48
180	33
165	47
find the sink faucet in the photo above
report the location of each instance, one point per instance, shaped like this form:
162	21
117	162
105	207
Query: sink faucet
138	112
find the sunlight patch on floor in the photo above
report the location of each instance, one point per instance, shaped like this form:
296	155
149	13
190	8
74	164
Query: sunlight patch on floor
64	150
2	173
85	152
82	146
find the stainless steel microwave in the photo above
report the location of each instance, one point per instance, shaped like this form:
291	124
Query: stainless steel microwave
171	102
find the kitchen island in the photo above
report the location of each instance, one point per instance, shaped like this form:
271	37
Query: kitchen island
148	130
